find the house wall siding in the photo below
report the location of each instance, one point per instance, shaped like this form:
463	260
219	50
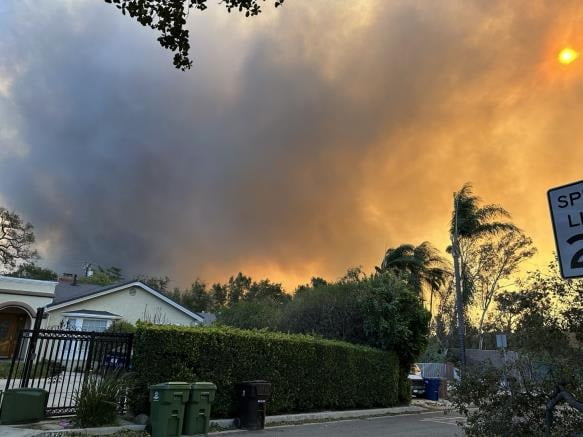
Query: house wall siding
33	302
140	306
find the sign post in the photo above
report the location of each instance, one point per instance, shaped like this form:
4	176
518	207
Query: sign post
566	204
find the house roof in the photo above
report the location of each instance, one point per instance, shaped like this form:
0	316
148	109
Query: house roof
65	291
92	313
68	294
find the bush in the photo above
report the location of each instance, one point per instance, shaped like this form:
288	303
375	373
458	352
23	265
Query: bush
251	315
100	399
307	374
121	326
379	311
511	401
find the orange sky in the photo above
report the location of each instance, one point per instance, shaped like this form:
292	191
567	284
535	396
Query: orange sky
467	91
303	142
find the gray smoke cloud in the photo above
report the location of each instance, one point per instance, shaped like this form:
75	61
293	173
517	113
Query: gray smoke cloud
303	141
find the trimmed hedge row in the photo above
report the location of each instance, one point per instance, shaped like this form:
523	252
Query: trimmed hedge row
307	374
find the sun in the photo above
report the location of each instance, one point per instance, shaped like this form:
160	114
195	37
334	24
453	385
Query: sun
567	55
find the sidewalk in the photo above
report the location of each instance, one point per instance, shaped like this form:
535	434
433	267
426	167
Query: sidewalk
227	424
325	416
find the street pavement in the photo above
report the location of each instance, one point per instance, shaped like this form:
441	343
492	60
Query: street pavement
434	424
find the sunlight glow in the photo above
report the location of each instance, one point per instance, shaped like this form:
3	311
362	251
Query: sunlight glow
567	55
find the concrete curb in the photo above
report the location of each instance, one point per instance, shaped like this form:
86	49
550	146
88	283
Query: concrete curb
89	431
325	416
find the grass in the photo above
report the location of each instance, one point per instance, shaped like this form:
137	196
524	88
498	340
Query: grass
100	399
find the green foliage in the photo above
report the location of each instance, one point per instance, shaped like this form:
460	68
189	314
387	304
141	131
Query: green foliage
510	401
307	374
32	271
404	394
542	333
239	288
331	311
379	311
103	276
16	240
422	265
122	326
169	18
160	283
251	315
100	398
476	220
434	352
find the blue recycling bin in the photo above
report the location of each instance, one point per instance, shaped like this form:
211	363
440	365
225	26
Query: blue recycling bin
432	388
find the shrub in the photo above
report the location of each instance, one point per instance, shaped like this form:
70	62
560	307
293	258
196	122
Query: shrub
121	326
380	311
307	374
100	398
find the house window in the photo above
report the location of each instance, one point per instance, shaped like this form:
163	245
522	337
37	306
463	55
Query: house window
71	325
94	325
87	325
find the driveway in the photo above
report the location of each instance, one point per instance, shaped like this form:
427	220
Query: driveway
435	424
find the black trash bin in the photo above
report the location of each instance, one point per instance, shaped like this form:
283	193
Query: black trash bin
253	397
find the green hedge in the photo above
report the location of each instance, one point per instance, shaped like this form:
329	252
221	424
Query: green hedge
307	374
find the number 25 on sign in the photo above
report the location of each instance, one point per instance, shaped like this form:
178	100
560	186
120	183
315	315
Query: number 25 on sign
566	203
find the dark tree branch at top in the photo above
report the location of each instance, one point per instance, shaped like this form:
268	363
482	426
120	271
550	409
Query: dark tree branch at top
169	17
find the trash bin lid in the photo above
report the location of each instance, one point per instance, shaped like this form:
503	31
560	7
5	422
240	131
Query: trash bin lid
172	385
26	390
203	386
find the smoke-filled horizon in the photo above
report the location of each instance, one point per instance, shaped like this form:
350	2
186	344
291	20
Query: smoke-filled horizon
303	142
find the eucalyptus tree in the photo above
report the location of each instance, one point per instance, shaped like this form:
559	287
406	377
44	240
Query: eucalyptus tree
493	267
470	222
422	265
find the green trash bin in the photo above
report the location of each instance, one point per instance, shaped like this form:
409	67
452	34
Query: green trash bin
198	409
23	405
167	402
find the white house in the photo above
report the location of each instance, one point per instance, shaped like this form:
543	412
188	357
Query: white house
19	299
83	307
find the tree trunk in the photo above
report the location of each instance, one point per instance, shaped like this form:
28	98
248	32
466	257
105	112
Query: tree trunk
481	330
458	285
431	304
459	302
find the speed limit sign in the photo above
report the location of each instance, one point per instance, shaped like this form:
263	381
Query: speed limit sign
566	203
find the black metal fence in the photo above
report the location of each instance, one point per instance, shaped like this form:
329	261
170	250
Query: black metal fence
60	361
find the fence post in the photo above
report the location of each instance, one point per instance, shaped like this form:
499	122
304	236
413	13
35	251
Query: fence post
30	353
129	345
89	356
15	356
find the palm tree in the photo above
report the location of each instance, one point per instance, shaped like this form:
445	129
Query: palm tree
423	266
470	221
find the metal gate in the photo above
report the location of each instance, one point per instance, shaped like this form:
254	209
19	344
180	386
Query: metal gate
59	362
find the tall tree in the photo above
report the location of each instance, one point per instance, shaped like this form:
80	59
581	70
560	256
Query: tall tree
160	283
197	298
470	221
423	266
16	240
219	294
32	271
267	290
103	276
238	287
169	18
493	266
